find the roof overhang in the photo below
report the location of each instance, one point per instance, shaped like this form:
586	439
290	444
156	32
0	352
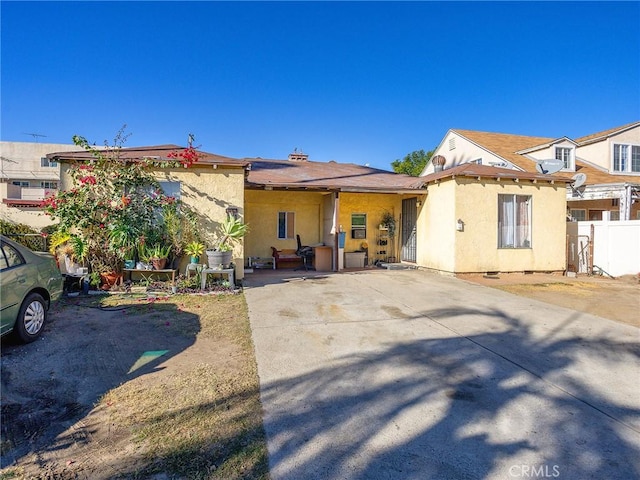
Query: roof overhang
11	202
479	172
158	154
329	189
545	145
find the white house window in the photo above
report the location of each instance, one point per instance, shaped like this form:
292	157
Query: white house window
620	154
626	158
514	221
20	183
566	155
635	158
48	184
45	162
477	161
286	225
578	215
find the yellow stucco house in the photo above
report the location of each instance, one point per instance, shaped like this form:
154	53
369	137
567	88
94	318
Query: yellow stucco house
470	218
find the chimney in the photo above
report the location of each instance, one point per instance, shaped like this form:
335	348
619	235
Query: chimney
438	163
298	156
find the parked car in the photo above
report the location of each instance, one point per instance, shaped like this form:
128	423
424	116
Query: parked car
29	283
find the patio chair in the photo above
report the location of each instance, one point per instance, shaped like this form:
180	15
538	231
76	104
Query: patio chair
306	253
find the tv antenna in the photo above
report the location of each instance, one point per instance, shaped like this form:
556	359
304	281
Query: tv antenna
35	136
579	180
551	165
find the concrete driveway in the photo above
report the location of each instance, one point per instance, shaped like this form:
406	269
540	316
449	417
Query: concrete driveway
411	375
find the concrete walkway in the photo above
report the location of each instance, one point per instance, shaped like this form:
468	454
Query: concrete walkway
411	375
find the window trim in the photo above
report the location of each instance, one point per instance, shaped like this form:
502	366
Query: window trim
289	225
628	162
569	163
46	163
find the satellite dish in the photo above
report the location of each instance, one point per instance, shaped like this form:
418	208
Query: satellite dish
578	180
551	165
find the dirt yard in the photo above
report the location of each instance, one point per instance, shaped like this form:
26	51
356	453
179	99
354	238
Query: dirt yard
142	388
616	299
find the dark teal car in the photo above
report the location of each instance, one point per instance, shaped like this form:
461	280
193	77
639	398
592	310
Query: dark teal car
29	283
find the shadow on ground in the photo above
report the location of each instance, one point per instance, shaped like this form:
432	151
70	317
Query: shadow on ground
455	408
84	352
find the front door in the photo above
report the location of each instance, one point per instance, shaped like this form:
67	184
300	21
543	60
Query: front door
409	218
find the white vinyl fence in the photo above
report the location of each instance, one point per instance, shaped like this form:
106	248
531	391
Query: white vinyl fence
616	245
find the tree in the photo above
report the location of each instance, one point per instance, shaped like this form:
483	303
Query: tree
116	205
413	163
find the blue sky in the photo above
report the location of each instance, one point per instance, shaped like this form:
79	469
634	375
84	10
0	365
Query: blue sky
358	82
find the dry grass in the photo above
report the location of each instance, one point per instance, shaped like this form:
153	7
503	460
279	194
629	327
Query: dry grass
205	421
195	416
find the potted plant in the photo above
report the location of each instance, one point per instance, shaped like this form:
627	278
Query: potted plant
229	232
194	250
158	255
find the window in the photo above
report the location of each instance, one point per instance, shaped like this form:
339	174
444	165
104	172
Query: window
635	158
626	158
359	225
477	161
578	215
10	257
614	215
171	189
565	154
514	221
52	185
620	153
286	225
20	183
44	162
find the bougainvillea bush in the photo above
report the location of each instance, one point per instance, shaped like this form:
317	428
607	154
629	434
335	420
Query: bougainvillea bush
115	206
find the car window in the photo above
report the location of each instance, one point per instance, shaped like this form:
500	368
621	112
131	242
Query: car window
10	257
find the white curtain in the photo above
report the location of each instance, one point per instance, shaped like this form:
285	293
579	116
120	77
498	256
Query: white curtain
514	223
506	220
523	225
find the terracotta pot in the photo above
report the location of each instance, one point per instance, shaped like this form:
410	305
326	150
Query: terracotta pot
109	280
159	263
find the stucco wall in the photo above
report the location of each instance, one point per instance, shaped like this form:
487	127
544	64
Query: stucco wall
374	205
314	218
436	228
475	249
262	209
210	192
35	218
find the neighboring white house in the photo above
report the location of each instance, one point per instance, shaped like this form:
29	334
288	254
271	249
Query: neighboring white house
26	178
608	161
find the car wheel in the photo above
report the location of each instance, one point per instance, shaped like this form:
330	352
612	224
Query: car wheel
31	318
